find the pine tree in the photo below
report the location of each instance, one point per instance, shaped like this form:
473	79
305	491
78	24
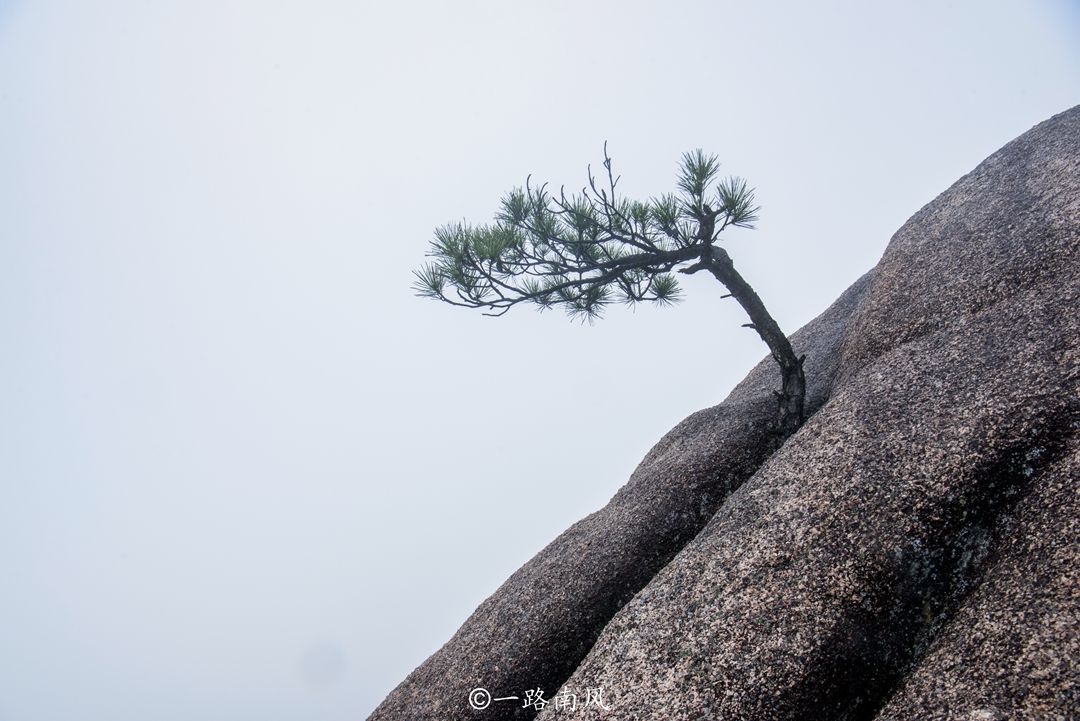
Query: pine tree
585	251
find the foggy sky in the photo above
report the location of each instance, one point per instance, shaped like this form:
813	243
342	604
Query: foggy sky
244	472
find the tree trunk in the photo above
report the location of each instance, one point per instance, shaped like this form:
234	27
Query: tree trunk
792	393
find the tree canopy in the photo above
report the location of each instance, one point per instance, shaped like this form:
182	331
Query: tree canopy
584	251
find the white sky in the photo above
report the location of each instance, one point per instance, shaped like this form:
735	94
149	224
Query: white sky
244	473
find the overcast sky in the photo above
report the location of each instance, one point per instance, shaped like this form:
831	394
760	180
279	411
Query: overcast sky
244	473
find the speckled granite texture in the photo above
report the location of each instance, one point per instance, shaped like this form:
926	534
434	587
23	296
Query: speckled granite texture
911	552
541	622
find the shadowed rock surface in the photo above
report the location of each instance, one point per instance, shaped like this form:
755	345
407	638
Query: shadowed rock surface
1012	648
910	553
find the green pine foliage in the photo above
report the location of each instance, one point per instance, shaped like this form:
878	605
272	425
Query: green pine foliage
584	251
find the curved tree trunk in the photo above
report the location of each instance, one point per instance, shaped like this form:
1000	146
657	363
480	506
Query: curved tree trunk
792	393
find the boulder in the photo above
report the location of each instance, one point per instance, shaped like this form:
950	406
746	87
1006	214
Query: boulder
911	552
536	628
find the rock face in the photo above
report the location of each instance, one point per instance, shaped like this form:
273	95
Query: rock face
912	552
535	629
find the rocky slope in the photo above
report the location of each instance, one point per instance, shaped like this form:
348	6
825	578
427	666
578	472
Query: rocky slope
910	553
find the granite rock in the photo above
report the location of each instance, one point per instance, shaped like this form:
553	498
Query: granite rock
910	553
535	629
